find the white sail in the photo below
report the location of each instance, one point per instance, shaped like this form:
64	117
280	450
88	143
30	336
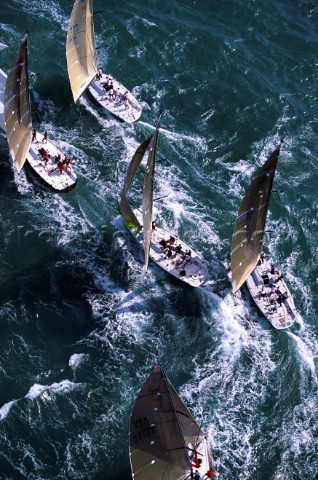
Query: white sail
17	108
3	79
80	47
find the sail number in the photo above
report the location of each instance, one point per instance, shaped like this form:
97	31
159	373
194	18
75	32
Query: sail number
144	429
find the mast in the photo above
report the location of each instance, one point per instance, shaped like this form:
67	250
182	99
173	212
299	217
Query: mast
249	228
80	47
17	106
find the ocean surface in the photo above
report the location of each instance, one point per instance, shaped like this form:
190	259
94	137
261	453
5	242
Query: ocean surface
81	320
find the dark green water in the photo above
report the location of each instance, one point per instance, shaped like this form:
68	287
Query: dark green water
81	320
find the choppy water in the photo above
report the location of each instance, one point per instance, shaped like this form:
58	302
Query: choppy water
81	320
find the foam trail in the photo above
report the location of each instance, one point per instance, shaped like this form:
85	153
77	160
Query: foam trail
307	351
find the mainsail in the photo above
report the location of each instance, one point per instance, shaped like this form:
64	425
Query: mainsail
161	427
147	203
250	223
17	108
3	79
124	206
80	47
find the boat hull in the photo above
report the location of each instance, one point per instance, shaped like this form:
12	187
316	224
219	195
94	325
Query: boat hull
192	271
282	314
129	111
49	173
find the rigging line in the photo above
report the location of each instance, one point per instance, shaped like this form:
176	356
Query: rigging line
159	198
195	451
164	472
136	207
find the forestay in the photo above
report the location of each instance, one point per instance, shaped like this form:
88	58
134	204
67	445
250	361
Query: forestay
80	47
17	109
250	223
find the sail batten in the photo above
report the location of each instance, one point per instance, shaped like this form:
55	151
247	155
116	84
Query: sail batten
249	228
80	47
17	107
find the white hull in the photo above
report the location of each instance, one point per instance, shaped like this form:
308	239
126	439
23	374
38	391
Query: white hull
129	111
192	272
280	316
50	173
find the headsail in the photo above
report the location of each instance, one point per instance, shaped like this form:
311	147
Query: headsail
250	223
147	203
124	206
17	108
80	47
158	447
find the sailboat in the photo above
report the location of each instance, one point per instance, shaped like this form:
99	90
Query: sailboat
248	262
83	72
165	441
163	247
44	158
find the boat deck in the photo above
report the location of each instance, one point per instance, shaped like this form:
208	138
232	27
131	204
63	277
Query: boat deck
129	110
202	457
272	296
50	173
190	268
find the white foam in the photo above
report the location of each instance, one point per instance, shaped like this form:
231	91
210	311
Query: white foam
5	409
65	386
76	359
